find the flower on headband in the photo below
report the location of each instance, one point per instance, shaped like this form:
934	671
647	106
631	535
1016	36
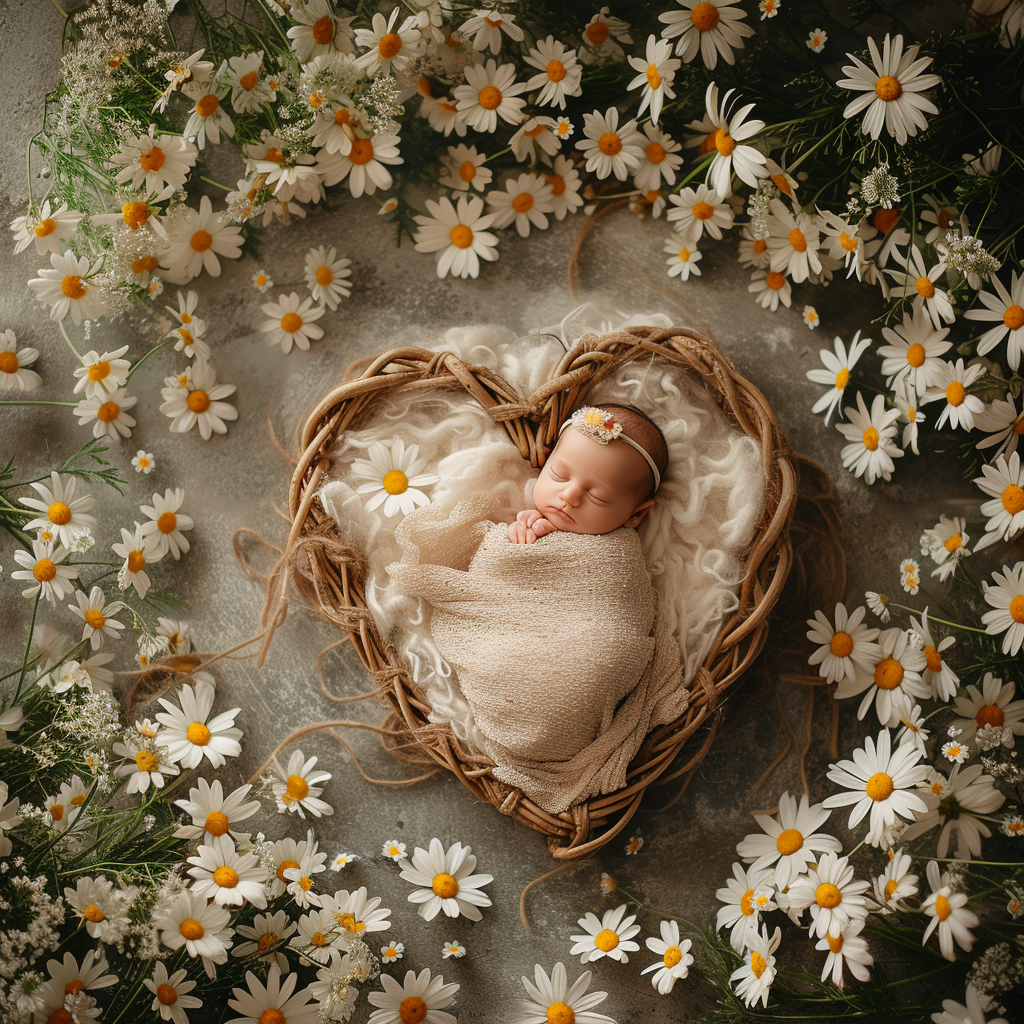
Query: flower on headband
596	423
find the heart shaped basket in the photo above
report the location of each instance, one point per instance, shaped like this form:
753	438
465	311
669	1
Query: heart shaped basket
331	575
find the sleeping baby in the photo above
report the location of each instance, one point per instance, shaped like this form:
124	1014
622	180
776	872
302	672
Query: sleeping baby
551	622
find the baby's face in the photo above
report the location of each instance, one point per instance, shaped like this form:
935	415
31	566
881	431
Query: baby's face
588	487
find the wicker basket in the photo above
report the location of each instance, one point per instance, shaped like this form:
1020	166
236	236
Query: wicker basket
331	576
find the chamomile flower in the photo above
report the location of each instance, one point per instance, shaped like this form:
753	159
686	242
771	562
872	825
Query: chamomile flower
892	90
394	850
657	72
419	997
342	860
453	950
14	363
208	118
298	787
146	764
65	976
300	883
214	814
447	881
157	166
770	288
793	243
728	130
200	402
443	115
872	446
683	258
227	877
554	999
1003	480
249	90
356	913
1002	423
713	29
560	73
658	160
949	914
66	286
949	382
263	281
675	958
524	202
165	523
42	565
565	187
831	892
459	233
880	783
392	951
108	414
49	228
489	92
952	1011
601	38
844	241
753	979
65	517
199	238
895	884
97	614
393	476
847	950
914	350
896	672
992	706
291	322
389	48
363	165
198	925
318	31
700	210
609	147
910	575
610	935
911	416
101	375
1006	597
274	1001
535	139
266	935
464	169
190	734
838	366
816	40
170	993
848	649
102	907
745	895
290	853
915	280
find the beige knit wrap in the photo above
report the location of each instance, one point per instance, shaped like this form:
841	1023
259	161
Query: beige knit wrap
558	645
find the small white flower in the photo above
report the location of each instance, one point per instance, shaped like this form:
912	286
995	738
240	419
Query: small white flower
447	882
453	950
144	462
299	787
191	734
610	935
393	476
291	322
14	363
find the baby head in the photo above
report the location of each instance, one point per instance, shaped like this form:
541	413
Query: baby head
594	482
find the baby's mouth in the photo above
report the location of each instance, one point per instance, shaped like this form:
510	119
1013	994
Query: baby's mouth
563	514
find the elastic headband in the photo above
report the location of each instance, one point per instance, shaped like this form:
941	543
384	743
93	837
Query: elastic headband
603	427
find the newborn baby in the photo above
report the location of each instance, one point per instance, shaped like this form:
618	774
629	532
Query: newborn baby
551	622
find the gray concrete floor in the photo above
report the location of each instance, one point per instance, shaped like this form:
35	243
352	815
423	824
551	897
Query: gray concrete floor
236	481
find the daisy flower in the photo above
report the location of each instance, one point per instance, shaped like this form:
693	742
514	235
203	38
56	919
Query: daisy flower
317	31
99	905
967	794
838	366
746	895
565	187
658	162
553	999
291	322
490	92
601	38
166	524
936	675
42	565
872	447
13	363
191	734
453	950
791	842
811	317
1004	482
906	402
171	993
393	476
392	951
248	90
208	118
892	90
560	74
388	49
266	934
683	259
525	201
700	210
846	950
101	375
292	177
226	876
464	169
1003	424
535	140
950	381
610	935
675	958
65	286
107	414
816	40
895	883
845	649
155	166
711	28
484	30
730	130
753	979
263	281
896	673
291	853
844	242
199	403
447	881
66	976
9	817
915	280
443	115
913	352
910	575
356	913
212	813
342	860
793	242
199	238
363	164
147	763
419	997
64	516
952	1011
273	1002
49	228
993	707
96	612
834	897
657	72
753	251
299	787
949	914
460	232
770	287
880	783
201	927
942	217
394	850
946	543
611	149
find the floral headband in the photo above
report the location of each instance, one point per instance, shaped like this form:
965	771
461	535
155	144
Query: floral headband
603	427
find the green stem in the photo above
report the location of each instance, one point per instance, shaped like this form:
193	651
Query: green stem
155	348
71	404
28	644
68	340
934	618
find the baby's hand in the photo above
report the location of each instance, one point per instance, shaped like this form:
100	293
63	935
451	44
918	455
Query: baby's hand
529	525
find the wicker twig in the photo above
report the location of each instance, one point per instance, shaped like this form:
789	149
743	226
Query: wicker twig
331	575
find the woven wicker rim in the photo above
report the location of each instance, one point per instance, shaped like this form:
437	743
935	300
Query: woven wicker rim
334	581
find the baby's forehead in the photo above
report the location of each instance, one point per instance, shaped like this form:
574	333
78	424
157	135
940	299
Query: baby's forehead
600	460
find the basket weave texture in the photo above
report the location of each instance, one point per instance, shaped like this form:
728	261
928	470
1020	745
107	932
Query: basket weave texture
331	576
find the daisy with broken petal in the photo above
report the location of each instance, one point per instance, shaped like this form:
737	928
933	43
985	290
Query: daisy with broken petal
610	935
609	148
838	366
447	881
746	895
443	115
200	402
273	1002
266	935
950	382
683	259
727	130
712	28
675	958
14	361
914	350
992	706
753	979
214	814
892	90
357	913
191	734
147	764
895	884
42	565
49	228
464	169
489	92
524	202
300	884
292	322
65	516
484	30
833	895
101	375
66	287
1004	481
226	876
848	647
601	38
1006	597
880	783
872	446
770	288
916	281
565	187
657	70
189	340
459	234
419	997
96	612
844	241
298	787
949	914
847	950
453	950
791	842
393	476
342	860
560	73
166	523
936	674
700	210
535	140
1007	308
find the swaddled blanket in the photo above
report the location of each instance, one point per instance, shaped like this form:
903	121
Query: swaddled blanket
558	645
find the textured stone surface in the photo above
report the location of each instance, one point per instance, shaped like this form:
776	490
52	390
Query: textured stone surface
235	482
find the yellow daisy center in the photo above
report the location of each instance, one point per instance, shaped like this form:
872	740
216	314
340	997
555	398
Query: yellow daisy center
705	17
890	888
95	618
842	379
167	523
990	714
942	908
797	240
412	1010
1013	317
758	964
467	171
108	412
955	393
272	1015
888	88
57	812
226	877
59	513
560	1013
8	362
522	202
152	160
135	214
924	287
318	939
847	242
775	280
444	886
324	275
746	903
73	987
789	841
265	942
655	153
609	143
207	105
198	734
323	31
201	241
490	97
350	924
827	896
297	787
841	645
556	70
916	354
879	787
395	482
216	823
597	33
248	81
684	254
284	866
606	940
45	227
724	142
166	994
702	210
557	183
361	151
888	674
143	264
1013	499
1017	608
191	929
146	760
44	570
390	44
72	287
291	322
461	236
653	78
198	401
672	956
884	219
835	942
933	658
93	913
871	439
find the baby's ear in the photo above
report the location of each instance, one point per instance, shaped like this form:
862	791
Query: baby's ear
639	513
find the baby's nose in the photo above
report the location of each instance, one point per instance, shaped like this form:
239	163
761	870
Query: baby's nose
570	494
